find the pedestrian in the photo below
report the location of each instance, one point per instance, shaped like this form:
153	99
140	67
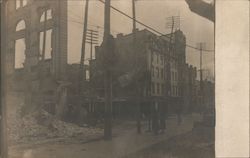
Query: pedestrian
155	119
179	112
163	113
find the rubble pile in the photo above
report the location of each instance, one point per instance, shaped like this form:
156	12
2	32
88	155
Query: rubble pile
41	125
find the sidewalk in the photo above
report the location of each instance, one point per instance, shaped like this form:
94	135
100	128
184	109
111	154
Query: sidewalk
124	142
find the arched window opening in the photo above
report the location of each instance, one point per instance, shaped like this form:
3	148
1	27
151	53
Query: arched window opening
21	25
49	15
19	53
48	46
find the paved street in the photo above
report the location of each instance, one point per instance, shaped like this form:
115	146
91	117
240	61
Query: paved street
125	141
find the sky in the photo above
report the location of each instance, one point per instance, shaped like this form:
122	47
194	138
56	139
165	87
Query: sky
153	13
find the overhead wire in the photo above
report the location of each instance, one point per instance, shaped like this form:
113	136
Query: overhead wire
151	28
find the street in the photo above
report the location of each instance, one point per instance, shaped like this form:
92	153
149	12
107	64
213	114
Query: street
125	142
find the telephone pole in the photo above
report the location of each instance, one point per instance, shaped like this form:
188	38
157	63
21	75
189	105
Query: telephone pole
201	47
3	110
82	75
138	117
201	77
108	73
92	38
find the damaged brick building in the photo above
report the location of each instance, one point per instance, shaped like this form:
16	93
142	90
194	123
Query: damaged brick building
40	63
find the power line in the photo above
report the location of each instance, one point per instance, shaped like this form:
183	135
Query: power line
98	26
149	27
77	16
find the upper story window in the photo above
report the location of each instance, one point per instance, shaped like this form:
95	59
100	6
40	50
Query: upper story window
152	57
20	25
21	3
158	72
162	75
162	89
161	58
153	88
46	14
158	88
152	71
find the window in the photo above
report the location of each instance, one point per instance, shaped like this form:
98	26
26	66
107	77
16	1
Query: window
175	90
162	75
157	57
152	88
20	47
161	57
46	44
18	4
158	88
152	71
21	3
25	2
20	25
162	89
152	57
46	15
158	72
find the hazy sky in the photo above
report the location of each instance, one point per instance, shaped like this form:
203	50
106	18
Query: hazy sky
151	12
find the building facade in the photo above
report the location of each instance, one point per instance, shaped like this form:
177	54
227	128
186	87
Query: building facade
154	64
40	29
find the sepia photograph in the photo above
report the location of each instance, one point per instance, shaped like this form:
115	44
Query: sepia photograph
108	79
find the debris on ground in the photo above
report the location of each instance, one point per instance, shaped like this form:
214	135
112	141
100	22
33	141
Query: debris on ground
41	125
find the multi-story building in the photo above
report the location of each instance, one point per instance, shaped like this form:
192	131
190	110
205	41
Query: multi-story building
189	91
154	65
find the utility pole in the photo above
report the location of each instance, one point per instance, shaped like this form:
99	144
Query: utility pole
92	38
138	117
201	45
82	74
173	22
3	115
107	73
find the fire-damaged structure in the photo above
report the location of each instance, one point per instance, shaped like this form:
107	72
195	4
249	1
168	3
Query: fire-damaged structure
41	63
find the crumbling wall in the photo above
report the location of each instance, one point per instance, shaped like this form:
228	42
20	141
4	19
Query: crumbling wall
28	16
31	14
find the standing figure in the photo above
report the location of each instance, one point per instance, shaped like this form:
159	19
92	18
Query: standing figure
179	112
163	115
155	118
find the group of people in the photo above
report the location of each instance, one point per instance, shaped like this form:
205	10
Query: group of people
157	116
